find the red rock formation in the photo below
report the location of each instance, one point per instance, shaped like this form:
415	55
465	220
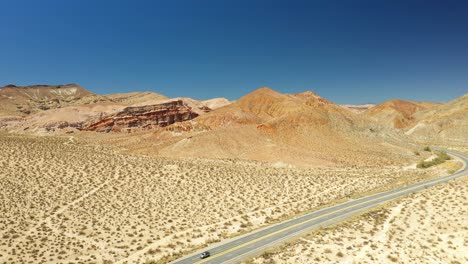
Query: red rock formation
144	117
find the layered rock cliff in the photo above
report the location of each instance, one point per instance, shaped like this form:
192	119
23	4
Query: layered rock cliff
143	117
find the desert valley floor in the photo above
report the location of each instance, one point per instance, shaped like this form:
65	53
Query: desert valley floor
64	201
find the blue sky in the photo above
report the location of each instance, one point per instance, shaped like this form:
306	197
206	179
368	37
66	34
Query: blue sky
346	51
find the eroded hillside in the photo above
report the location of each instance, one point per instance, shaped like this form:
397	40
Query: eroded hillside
427	123
302	129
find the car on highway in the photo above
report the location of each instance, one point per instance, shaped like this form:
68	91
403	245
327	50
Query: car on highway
205	254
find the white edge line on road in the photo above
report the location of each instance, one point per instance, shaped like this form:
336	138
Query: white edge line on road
318	225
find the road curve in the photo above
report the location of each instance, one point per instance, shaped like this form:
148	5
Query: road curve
238	249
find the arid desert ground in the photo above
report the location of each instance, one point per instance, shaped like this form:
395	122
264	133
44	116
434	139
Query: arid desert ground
64	201
140	177
426	227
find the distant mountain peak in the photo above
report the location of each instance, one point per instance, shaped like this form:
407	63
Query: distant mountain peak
263	91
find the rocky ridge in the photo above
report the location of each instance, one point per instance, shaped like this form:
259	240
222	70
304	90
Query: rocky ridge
301	129
143	117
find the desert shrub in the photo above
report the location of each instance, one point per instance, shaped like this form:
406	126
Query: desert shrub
441	158
154	251
392	258
443	155
427	148
267	254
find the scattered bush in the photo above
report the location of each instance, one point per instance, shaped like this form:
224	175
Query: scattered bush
268	254
392	258
443	155
441	158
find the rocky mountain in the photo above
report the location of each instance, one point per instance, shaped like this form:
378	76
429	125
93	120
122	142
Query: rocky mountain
68	108
302	129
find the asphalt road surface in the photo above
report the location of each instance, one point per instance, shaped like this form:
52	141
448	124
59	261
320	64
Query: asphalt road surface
240	248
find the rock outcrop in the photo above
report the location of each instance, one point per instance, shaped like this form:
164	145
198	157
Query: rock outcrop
143	117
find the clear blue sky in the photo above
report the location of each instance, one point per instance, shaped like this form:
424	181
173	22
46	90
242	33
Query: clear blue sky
347	51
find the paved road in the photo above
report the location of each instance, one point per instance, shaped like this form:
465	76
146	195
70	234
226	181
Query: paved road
238	249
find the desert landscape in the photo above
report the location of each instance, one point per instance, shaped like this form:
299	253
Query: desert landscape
226	132
112	184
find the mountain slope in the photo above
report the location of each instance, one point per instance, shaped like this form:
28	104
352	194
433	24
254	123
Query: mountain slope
398	113
444	124
25	100
40	109
302	129
15	100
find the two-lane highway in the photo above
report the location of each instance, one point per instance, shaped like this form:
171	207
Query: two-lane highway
238	249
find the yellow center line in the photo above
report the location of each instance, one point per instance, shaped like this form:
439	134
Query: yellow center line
301	223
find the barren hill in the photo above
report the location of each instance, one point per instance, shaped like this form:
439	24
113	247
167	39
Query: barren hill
398	113
302	129
444	124
35	109
265	106
431	123
23	100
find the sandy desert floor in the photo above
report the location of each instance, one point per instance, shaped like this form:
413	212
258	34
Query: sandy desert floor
427	227
65	202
